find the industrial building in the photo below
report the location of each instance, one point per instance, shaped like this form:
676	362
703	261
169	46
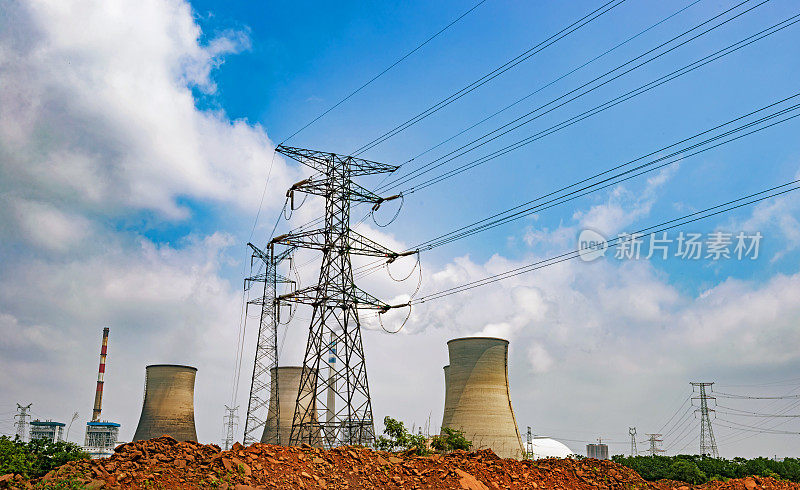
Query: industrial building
285	387
101	439
477	400
47	430
597	451
168	407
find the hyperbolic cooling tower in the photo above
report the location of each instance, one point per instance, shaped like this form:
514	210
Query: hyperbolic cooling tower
283	395
477	400
168	407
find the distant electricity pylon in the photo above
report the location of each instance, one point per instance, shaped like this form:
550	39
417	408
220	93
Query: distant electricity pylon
654	440
22	420
338	409
708	446
529	444
632	432
266	344
231	422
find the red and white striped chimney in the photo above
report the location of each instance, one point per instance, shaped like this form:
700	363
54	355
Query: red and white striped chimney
98	396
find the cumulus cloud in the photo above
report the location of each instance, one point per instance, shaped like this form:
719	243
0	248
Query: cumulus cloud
98	110
99	124
101	130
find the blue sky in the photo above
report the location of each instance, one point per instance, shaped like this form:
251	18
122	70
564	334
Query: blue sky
135	141
295	70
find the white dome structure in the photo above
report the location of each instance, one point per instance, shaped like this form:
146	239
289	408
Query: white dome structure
544	447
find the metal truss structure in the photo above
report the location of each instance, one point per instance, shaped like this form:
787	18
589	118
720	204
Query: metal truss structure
708	445
267	342
335	409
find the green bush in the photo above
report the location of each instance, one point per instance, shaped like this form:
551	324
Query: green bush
682	467
450	440
399	439
686	471
36	458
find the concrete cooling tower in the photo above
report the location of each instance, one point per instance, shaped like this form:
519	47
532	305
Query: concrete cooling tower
168	407
282	401
477	399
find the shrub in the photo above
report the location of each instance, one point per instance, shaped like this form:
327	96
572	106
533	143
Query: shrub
686	471
450	440
399	439
36	458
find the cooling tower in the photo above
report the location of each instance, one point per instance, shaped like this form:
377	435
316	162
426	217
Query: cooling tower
477	400
448	399
282	401
168	407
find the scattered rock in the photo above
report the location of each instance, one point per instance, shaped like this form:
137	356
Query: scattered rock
166	463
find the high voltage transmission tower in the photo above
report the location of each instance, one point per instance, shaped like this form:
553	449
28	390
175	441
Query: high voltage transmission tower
529	444
266	343
708	446
22	420
632	432
230	422
336	410
655	439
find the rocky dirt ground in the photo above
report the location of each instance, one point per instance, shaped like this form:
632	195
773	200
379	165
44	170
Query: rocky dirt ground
166	463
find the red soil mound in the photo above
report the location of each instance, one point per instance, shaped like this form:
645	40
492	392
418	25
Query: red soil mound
166	463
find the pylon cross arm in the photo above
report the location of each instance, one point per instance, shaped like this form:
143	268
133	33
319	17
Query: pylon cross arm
356	297
321	186
321	161
357	244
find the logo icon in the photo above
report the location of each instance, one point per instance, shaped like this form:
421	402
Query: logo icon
591	245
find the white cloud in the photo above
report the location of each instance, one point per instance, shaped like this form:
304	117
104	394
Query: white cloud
98	110
99	131
98	121
47	226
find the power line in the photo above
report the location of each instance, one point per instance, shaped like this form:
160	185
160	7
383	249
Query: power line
674	414
444	158
681	422
783	382
552	82
608	51
667	225
383	72
751	428
747	397
491	75
528	208
595	110
733	438
687	430
608	104
744	413
737	437
504	216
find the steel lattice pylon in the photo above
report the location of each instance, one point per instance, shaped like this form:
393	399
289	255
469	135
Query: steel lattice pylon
334	409
266	357
708	445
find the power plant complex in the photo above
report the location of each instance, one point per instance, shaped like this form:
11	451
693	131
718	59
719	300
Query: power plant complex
477	403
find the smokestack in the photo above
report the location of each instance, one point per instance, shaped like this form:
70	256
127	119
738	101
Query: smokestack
477	399
282	402
98	395
168	407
